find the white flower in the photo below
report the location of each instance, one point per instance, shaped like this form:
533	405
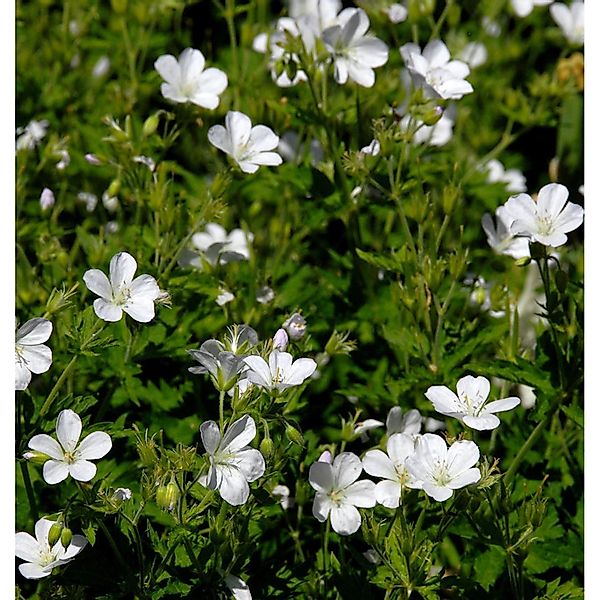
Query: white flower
373	149
264	295
396	13
111	203
514	179
233	463
391	468
123	494
90	200
67	456
280	373
46	199
65	159
474	54
546	220
295	326
480	295
362	427
528	397
433	70
248	146
571	20
186	80
439	470
338	492
224	297
40	558
148	162
239	588
214	245
433	135
122	293
31	134
101	67
282	493
31	354
500	239
470	406
354	53
409	423
325	10
523	7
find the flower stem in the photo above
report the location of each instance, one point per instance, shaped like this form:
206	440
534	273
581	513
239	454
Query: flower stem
531	440
54	392
221	409
29	489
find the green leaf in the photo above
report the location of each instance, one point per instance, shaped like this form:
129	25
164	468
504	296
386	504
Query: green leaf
489	565
574	413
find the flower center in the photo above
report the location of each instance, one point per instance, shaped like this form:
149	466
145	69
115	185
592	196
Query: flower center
121	297
440	474
545	224
279	376
336	496
46	556
70	456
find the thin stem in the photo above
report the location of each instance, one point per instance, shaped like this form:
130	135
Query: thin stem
229	17
531	440
54	392
29	489
221	409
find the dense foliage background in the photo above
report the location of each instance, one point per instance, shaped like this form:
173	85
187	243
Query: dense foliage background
386	258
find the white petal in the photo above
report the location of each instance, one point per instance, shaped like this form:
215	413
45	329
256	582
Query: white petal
361	493
238	435
210	101
26	547
220	138
94	446
141	309
461	456
78	543
443	399
248	166
320	477
346	469
122	269
55	471
503	404
168	68
387	493
34	571
570	218
37	358
483	422
212	81
400	446
144	287
42	529
33	332
82	470
322	506
22	376
370	52
436	53
98	283
191	62
473	388
361	74
68	429
267	159
262	139
234	488
238	587
211	436
300	370
378	464
44	443
345	519
436	492
239	127
465	478
250	462
107	311
259	372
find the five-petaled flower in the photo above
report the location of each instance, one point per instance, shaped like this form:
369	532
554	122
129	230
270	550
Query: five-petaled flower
339	494
41	558
215	245
233	463
67	456
249	146
571	20
546	220
280	372
470	405
439	470
122	292
186	79
499	237
31	354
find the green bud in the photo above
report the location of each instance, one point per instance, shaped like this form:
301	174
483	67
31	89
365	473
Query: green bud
119	6
266	447
279	67
65	537
128	127
562	280
167	496
150	125
420	8
432	115
37	458
449	198
537	251
55	533
114	187
294	436
523	262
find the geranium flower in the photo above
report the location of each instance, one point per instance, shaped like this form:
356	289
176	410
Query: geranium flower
470	406
31	354
546	220
499	237
40	557
474	54
409	423
391	468
186	80
571	20
339	494
238	587
362	427
295	326
280	372
224	366
433	70
233	463
215	245
248	146
122	293
354	53
397	13
68	456
439	470
31	135
524	7
432	135
513	178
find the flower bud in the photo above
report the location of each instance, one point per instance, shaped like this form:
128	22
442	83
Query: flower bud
523	262
449	198
65	537
92	159
280	340
294	436
266	447
114	187
295	326
47	199
537	251
325	457
432	115
167	496
55	533
150	125
119	6
37	458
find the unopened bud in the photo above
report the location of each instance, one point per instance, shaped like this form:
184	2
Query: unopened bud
295	326
294	436
114	187
432	115
326	457
92	159
280	340
449	198
37	458
523	262
65	537
266	447
537	250
150	125
291	69
55	533
47	199
167	496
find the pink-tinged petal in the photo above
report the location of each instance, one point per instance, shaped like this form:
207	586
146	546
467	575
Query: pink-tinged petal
267	159
219	137
345	519
483	422
107	311
122	269
552	198
444	400
234	488
502	405
78	543
378	464
239	127
259	372
68	429
191	62
168	68
211	436
212	81
475	388
250	462
238	435
465	478
570	218
22	376
97	282
33	332
361	493
94	446
400	446
37	358
44	443
461	456
436	53
26	547
55	471
346	469
436	492
34	571
140	309
82	470
321	508
301	370
387	493
320	477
